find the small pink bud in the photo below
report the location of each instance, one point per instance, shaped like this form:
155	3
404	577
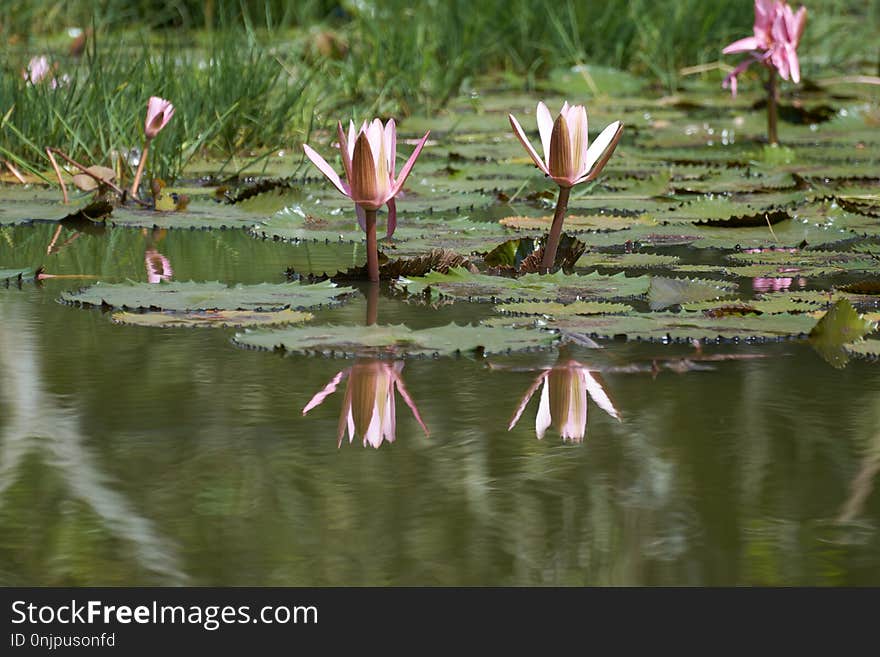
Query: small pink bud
159	113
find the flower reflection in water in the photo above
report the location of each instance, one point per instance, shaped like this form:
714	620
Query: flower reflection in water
771	284
369	406
564	400
158	266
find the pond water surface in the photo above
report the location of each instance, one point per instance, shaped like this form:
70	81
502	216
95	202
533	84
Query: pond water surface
131	455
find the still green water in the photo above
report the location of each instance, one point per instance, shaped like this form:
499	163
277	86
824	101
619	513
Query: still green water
131	455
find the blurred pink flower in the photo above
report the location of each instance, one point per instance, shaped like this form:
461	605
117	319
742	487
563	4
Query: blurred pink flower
159	113
564	400
368	409
569	158
39	70
158	266
776	34
369	159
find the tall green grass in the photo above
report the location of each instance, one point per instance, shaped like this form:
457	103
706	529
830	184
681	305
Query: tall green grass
232	98
251	74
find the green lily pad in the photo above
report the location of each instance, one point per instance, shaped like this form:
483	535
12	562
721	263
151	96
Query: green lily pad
398	340
460	284
864	348
679	326
9	276
211	319
578	223
838	259
626	260
666	292
552	309
27	211
190	296
840	326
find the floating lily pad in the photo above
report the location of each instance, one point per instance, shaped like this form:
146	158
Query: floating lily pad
627	260
680	326
8	276
840	326
190	296
552	309
25	212
398	340
836	259
218	318
667	292
463	285
578	223
864	348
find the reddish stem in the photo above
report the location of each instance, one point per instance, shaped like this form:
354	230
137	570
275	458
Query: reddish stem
372	304
82	168
58	173
372	246
140	170
555	230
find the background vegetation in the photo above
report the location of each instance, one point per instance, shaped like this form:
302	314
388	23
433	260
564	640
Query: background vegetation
249	76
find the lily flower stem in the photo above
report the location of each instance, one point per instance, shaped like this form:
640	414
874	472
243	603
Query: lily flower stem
372	304
15	172
101	180
555	230
772	100
140	170
58	173
372	246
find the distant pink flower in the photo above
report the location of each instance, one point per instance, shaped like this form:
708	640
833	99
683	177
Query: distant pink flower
369	159
569	158
369	406
776	34
39	70
564	400
158	266
159	113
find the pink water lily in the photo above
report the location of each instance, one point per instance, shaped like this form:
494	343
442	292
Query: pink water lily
40	70
37	69
369	159
569	158
159	113
368	409
564	400
776	35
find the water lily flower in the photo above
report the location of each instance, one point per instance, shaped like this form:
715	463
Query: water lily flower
369	159
159	113
776	34
368	409
564	400
775	37
569	158
37	69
